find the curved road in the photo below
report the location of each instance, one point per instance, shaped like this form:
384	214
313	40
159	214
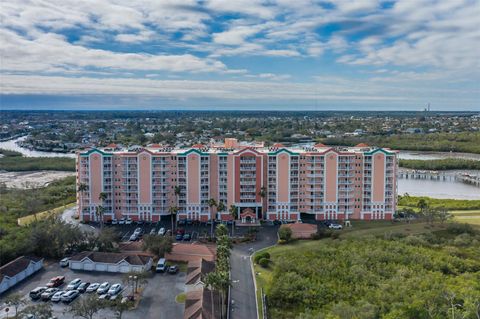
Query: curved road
243	289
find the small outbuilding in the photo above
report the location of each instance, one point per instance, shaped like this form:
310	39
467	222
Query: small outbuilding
110	262
17	270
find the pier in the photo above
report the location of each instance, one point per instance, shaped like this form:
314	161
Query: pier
440	176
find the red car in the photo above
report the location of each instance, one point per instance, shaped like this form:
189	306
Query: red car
56	281
180	231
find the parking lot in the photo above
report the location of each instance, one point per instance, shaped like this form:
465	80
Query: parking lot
158	296
196	230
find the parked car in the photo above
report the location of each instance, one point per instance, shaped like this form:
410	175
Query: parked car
161	231
114	289
161	265
70	296
187	237
83	287
114	222
47	294
37	293
121	221
103	297
128	221
153	231
179	237
335	226
65	262
93	287
73	285
57	296
180	231
56	282
139	222
173	269
138	231
103	288
133	237
182	222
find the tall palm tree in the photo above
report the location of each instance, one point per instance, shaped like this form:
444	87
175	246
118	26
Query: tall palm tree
173	210
212	203
101	209
263	194
82	188
233	213
177	191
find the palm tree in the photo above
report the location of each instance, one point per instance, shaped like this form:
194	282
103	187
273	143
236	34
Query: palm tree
263	194
173	210
101	209
82	188
212	203
233	213
218	281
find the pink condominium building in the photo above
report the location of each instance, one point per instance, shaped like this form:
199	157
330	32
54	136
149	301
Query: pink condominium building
269	183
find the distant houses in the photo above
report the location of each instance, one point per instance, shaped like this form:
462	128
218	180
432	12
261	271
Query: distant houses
17	270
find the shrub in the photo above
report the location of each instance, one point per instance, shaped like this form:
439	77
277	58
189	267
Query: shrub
281	242
263	254
264	262
285	233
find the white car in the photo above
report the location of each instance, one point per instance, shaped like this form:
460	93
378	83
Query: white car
74	284
134	237
93	287
153	232
128	221
114	222
115	289
65	262
335	226
161	231
103	289
121	221
57	296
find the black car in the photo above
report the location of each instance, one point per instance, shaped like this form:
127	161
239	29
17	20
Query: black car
173	269
277	222
83	287
36	293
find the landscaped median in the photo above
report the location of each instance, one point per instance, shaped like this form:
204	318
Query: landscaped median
24	221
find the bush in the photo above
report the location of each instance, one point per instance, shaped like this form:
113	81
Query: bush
264	262
281	242
285	233
260	255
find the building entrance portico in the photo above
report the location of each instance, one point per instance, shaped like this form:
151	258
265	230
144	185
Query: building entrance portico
248	215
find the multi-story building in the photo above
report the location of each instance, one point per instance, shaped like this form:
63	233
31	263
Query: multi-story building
144	183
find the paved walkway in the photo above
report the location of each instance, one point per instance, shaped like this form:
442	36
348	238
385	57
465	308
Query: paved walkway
243	288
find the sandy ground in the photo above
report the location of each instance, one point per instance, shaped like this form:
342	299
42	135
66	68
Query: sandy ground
32	178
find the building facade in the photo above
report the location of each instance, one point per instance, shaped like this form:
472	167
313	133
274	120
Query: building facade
251	181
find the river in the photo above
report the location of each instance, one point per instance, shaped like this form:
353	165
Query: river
414	187
12	145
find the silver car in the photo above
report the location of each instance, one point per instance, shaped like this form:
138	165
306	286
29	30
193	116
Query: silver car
103	289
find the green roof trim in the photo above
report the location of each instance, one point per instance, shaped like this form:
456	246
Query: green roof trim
95	150
283	150
193	150
382	150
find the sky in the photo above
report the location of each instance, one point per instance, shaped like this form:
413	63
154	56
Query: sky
240	55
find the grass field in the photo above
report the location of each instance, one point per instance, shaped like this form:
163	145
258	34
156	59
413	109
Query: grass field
467	216
24	221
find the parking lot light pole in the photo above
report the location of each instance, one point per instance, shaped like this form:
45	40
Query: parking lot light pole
135	278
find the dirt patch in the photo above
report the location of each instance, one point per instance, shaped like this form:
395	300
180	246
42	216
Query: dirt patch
31	179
